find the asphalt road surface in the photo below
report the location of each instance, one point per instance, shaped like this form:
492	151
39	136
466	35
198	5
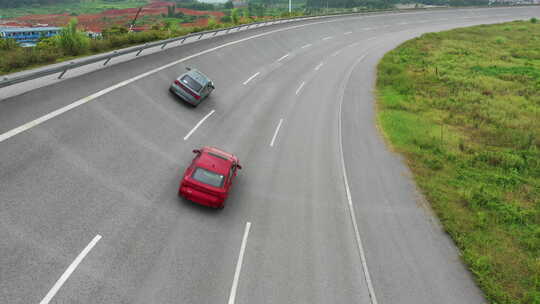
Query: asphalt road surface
89	211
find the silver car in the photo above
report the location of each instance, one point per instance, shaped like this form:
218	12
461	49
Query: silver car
192	86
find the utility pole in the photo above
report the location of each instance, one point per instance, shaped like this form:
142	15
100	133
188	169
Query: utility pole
290	6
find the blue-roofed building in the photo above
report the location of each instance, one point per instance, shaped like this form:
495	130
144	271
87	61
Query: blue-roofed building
28	35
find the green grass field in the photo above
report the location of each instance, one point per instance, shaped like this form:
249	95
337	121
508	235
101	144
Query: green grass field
463	106
82	7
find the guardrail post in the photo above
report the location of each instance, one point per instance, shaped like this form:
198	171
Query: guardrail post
215	33
227	31
64	71
62	74
139	52
163	46
200	36
107	61
183	40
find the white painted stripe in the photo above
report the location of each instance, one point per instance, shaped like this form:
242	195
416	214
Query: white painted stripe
84	100
371	38
403	23
276	132
283	57
307	45
347	33
250	78
367	28
354	44
300	87
326	38
348	191
232	295
319	66
69	270
198	125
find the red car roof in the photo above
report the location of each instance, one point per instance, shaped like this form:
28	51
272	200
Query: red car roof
215	160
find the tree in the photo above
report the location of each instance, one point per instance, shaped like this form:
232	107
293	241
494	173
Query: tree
171	11
234	16
228	5
71	41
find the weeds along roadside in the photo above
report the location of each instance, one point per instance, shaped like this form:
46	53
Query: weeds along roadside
463	106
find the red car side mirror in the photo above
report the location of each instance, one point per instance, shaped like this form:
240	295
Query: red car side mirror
196	151
239	167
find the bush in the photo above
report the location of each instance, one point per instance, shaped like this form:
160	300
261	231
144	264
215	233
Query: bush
8	44
212	23
534	20
113	30
226	19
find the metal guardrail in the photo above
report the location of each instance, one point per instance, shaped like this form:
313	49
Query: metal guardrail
63	68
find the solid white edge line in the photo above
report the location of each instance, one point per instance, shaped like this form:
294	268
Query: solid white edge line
348	191
250	78
283	57
276	132
232	295
69	270
300	87
319	66
307	45
347	33
198	124
326	38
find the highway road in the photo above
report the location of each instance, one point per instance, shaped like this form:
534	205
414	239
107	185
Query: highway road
322	211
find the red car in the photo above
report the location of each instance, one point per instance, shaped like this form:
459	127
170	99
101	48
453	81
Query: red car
209	178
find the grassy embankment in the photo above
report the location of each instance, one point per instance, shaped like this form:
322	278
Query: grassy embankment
463	106
81	7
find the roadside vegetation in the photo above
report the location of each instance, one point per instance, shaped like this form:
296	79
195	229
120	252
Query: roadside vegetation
463	107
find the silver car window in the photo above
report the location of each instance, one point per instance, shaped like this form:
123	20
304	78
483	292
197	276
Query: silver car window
191	83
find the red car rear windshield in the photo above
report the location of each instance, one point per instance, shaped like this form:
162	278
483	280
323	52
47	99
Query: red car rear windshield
208	177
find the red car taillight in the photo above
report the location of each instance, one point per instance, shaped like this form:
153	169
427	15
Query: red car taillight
178	83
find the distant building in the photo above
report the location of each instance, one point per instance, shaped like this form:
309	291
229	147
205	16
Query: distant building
27	36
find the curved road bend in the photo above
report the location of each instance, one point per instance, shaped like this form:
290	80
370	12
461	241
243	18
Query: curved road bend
111	166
